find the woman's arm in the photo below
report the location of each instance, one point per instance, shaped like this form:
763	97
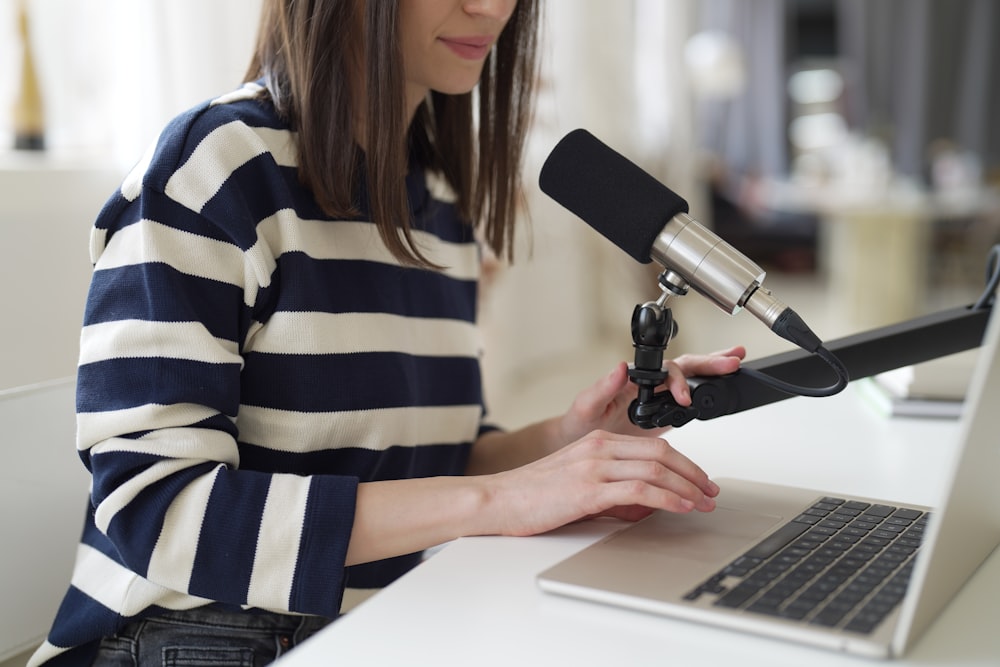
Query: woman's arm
545	475
600	474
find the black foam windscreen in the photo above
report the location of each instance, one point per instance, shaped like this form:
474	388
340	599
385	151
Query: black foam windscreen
609	192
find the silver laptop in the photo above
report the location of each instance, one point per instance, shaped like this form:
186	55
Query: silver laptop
859	575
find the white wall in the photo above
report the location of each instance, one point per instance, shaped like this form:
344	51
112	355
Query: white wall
45	216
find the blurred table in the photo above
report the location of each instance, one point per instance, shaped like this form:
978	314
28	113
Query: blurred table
875	244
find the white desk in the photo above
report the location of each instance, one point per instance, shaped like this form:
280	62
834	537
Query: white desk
476	602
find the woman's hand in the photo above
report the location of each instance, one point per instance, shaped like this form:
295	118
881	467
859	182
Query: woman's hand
604	405
589	462
610	466
601	474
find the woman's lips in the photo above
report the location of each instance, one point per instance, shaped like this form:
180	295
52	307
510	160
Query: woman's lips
469	48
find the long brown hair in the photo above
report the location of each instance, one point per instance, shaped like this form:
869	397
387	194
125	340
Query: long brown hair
308	52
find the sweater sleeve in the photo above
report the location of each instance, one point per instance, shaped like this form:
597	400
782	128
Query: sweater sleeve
174	295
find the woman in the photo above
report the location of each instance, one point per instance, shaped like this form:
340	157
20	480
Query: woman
279	391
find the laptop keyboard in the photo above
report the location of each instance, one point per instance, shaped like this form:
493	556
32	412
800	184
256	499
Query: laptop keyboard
841	563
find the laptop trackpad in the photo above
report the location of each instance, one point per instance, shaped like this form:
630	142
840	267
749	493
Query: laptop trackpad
704	537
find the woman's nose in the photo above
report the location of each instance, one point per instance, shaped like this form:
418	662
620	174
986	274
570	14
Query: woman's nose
498	9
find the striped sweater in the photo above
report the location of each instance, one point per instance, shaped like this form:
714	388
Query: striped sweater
245	362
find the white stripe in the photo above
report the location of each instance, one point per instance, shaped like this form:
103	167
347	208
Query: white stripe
142	338
439	187
122	590
172	560
281	145
150	241
248	91
278	541
95	427
347	333
46	652
375	430
211	163
98	238
180	443
323	239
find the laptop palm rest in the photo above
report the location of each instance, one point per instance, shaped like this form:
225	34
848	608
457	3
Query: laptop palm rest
703	537
663	557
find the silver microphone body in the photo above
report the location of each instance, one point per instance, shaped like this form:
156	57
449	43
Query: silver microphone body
714	269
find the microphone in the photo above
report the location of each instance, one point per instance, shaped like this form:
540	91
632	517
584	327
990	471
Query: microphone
649	221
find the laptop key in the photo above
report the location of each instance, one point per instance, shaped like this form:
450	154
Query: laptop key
771	544
799	573
738	596
880	510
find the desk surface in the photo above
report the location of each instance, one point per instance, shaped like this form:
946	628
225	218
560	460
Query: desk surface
476	602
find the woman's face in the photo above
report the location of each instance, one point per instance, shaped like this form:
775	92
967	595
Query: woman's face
445	43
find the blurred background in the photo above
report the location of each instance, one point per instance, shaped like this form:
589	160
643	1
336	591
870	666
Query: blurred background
848	146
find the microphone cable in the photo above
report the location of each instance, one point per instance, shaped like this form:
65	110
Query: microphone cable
792	328
843	377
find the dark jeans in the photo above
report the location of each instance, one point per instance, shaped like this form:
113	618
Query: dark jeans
207	636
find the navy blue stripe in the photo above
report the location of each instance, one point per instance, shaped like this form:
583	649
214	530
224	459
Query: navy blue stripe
117	384
386	288
227	545
364	381
68	631
256	190
435	216
111	470
381	573
95	539
366	464
158	207
136	528
81	656
160	293
319	569
114	208
252	111
178	138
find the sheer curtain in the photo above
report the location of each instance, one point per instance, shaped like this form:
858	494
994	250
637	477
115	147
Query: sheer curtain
917	72
114	71
923	71
749	129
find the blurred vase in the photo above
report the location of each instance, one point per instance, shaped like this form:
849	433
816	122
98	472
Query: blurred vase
29	118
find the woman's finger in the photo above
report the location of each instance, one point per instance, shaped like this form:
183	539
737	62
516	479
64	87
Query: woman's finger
652	459
652	480
716	363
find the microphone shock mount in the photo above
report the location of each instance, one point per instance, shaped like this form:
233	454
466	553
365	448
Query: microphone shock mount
653	326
